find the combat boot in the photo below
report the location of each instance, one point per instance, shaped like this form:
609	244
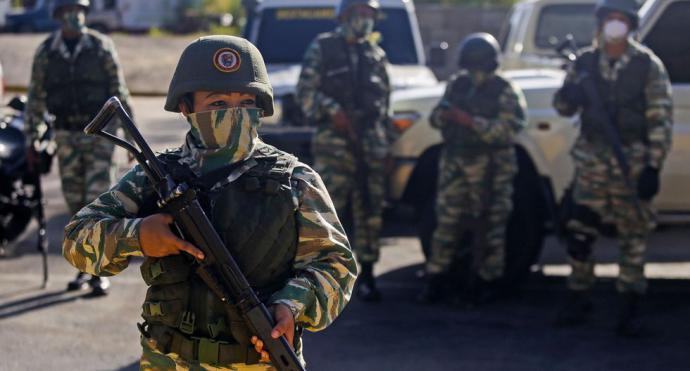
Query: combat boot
80	282
629	324
575	309
479	292
434	289
99	286
366	288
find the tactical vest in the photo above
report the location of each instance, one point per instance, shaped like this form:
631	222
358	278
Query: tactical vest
482	101
255	217
624	99
352	86
76	88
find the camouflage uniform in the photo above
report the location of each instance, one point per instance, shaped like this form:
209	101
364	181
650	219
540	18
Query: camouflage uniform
103	237
85	162
334	158
476	172
599	192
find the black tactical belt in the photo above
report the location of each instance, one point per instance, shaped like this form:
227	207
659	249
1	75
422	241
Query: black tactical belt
202	350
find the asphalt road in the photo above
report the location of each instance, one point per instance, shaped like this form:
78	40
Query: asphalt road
52	329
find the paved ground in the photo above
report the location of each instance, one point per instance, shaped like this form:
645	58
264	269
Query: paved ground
51	329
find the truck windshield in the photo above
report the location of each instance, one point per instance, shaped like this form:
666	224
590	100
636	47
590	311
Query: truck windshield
557	21
285	33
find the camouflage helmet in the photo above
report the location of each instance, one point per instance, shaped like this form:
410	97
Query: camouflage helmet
479	51
627	7
344	5
59	4
221	63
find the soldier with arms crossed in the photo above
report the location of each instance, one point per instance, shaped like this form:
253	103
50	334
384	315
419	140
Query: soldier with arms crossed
479	116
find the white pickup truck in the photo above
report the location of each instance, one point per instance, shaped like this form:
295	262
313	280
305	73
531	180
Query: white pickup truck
545	165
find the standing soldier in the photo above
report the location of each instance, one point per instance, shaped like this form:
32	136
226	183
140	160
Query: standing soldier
636	94
273	213
74	72
344	90
479	116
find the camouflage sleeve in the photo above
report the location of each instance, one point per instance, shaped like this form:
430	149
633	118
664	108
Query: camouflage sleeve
102	237
435	117
116	77
314	103
325	269
512	118
36	101
560	104
382	75
659	114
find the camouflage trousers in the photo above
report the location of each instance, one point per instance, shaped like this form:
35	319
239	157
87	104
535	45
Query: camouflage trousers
335	162
85	164
470	200
599	187
154	360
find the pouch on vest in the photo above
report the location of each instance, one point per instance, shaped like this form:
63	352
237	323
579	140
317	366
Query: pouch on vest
166	304
167	270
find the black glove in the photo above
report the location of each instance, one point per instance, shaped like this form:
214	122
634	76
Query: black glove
573	94
648	183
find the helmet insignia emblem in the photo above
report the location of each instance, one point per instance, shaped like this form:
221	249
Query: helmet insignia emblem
227	60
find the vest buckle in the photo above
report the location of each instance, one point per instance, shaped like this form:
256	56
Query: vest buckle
187	323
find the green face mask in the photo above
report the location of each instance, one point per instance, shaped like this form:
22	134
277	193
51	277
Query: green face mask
74	20
229	133
360	26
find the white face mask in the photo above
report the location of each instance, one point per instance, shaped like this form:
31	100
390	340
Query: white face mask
615	30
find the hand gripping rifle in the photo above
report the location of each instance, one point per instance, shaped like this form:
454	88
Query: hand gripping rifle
218	270
600	113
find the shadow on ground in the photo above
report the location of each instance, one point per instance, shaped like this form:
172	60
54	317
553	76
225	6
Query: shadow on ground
399	334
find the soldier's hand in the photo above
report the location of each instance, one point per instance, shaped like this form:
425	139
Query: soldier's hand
157	240
285	326
458	116
341	123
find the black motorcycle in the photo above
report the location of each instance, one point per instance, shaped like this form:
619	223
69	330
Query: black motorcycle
21	195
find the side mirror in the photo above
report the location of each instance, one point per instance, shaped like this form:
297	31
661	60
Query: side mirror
438	55
18	103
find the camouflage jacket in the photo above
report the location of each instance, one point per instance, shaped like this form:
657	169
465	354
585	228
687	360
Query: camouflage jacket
316	105
37	95
485	132
659	111
103	236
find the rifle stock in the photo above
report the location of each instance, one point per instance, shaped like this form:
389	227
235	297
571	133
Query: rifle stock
218	270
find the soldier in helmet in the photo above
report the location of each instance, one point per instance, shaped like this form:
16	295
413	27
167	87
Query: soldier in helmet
274	213
637	97
479	116
344	90
74	72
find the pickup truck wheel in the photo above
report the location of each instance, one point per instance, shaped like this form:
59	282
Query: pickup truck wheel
525	231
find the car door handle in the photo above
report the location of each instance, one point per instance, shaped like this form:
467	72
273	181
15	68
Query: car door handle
544	126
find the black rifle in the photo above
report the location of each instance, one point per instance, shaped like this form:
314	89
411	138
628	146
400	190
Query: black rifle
218	269
355	134
596	109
